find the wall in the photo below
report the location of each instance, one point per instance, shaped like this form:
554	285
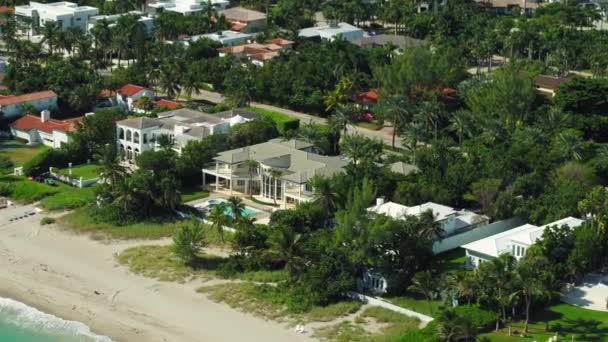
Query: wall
22	135
458	240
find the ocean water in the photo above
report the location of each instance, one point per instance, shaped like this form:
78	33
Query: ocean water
22	323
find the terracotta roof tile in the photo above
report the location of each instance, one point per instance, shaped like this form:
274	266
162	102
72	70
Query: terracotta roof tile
30	122
166	104
130	89
15	99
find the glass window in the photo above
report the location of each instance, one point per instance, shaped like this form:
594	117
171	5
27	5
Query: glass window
136	137
145	138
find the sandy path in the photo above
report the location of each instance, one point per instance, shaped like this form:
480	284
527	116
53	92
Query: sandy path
59	273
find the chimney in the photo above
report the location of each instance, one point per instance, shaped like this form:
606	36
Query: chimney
379	201
45	115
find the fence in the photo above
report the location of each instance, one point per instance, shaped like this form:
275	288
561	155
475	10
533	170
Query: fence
475	234
77	182
424	319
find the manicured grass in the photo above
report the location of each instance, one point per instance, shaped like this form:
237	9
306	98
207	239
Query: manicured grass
24	190
83	220
160	263
86	171
18	152
415	302
271	302
191	194
564	319
284	122
70	198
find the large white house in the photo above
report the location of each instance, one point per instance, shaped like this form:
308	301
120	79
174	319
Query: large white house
129	94
65	14
515	241
295	161
12	106
452	221
226	38
138	135
147	22
333	31
186	7
43	129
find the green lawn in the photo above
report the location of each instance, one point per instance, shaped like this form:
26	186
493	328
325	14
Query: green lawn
194	193
564	319
415	302
83	220
284	122
86	171
69	198
18	153
24	190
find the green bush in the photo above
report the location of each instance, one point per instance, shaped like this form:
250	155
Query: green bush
426	334
47	220
6	189
29	191
69	199
284	122
41	162
482	319
5	162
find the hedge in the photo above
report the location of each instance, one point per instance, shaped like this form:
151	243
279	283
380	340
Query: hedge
284	122
41	163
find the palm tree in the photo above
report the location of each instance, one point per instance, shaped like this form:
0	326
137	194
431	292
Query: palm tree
169	79
125	194
50	35
287	244
111	170
217	217
237	207
529	286
169	197
461	124
358	148
275	174
496	277
252	167
465	285
424	284
102	36
343	116
324	193
397	110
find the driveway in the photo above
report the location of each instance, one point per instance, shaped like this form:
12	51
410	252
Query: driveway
591	294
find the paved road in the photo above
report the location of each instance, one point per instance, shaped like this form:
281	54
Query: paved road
304	118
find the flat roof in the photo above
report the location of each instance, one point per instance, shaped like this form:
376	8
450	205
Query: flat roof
242	14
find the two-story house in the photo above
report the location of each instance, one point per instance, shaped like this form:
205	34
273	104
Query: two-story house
129	94
66	14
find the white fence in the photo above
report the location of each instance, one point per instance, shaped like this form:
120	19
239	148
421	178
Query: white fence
424	319
479	233
77	182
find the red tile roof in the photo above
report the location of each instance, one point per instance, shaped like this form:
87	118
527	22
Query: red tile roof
280	42
368	97
130	89
166	104
238	26
30	122
15	99
5	9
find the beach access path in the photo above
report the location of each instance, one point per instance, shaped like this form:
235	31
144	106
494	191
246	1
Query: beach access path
76	278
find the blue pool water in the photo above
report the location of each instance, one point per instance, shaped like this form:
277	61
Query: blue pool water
246	212
22	323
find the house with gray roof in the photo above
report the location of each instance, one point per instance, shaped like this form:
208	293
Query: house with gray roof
398	42
137	135
293	162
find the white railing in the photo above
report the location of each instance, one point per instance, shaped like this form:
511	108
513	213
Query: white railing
79	182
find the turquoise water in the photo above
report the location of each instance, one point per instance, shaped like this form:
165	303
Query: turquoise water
246	212
22	323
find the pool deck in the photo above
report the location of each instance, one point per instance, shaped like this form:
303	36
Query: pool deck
262	217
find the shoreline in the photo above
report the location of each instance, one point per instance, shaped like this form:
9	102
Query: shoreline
76	278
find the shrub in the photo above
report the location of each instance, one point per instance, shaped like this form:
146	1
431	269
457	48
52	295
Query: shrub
47	220
284	122
6	189
188	241
69	199
5	162
426	334
480	318
41	163
29	191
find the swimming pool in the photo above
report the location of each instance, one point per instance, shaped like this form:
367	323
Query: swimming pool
208	205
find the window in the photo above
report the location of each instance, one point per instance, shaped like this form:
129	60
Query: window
307	187
128	135
121	134
136	137
145	138
78	19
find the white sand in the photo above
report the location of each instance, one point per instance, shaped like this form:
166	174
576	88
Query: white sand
59	272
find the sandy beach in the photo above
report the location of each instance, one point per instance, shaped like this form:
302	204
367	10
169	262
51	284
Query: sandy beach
76	278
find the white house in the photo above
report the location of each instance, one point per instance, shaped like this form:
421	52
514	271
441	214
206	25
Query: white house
186	7
11	106
44	130
452	221
138	135
129	93
65	14
147	22
515	241
226	38
333	31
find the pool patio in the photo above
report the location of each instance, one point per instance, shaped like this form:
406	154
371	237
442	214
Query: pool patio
261	215
591	294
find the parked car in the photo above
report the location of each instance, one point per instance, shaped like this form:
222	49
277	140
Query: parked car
49	181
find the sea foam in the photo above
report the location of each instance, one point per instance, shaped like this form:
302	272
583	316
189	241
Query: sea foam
30	318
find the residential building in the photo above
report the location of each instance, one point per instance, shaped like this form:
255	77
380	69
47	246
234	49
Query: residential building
147	22
294	160
66	14
226	38
505	6
333	31
43	129
452	221
138	135
245	20
257	53
12	106
129	93
547	84
515	241
380	40
185	7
